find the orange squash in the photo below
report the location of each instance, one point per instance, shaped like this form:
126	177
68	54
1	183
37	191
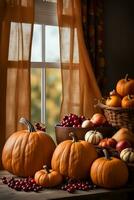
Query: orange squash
114	100
73	158
108	142
48	178
26	151
109	172
125	86
128	101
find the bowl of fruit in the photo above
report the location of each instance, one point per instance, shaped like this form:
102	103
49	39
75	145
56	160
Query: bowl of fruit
70	123
80	125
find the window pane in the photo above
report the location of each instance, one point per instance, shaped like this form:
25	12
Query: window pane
36	54
53	99
36	94
52	50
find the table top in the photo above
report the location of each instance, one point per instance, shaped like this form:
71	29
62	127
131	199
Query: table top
7	193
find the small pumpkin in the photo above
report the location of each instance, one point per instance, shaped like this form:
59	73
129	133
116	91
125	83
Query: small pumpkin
127	155
109	172
128	101
47	177
125	86
73	158
114	100
87	124
93	137
108	142
26	151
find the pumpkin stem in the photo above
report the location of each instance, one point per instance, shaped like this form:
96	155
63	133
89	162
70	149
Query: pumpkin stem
45	167
126	77
106	154
129	97
30	127
113	92
74	137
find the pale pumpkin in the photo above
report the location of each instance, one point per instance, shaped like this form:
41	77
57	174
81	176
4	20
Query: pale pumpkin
125	86
127	155
93	137
109	172
26	151
47	177
128	101
73	158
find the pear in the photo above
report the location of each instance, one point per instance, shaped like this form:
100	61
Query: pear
124	134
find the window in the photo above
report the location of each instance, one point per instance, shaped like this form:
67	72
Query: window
45	72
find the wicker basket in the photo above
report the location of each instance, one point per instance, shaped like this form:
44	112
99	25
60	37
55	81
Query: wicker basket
118	117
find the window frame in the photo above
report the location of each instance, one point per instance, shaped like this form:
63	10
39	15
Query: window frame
44	10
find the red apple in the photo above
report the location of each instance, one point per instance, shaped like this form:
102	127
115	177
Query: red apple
98	119
122	144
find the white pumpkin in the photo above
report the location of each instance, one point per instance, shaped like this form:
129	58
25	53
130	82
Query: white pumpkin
127	155
93	137
86	124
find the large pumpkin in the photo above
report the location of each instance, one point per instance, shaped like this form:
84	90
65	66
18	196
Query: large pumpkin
125	86
73	158
109	172
26	151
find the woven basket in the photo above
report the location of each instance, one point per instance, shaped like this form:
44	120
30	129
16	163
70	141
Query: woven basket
118	117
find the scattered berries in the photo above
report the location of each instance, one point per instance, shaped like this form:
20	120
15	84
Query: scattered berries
26	184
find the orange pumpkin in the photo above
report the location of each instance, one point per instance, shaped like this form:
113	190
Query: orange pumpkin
48	178
73	158
128	101
26	151
114	100
125	86
108	142
109	172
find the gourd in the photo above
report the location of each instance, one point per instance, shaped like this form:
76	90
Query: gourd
125	86
108	142
128	101
127	155
73	158
109	172
124	134
114	100
26	151
47	177
93	137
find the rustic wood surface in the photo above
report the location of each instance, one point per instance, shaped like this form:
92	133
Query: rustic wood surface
7	193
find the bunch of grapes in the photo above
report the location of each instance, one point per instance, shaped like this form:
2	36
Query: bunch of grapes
72	120
71	185
40	126
26	184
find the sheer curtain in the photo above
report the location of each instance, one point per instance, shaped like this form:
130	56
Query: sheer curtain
79	86
16	26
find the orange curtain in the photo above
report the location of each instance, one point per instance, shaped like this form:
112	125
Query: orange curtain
79	86
16	26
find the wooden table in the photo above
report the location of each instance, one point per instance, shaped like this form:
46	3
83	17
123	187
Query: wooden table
7	193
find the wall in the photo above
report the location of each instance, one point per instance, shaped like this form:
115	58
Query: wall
119	40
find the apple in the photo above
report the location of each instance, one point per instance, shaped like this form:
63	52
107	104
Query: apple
122	144
98	119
